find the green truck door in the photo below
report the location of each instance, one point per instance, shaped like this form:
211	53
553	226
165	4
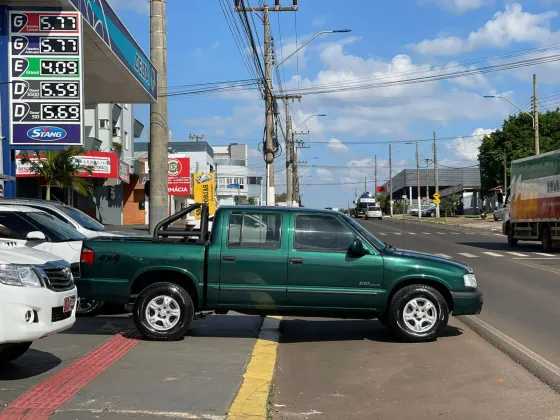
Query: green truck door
254	260
321	273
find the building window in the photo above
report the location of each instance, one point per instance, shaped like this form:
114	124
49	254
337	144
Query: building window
104	123
116	131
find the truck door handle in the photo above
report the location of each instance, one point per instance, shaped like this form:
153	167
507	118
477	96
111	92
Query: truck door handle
296	261
228	258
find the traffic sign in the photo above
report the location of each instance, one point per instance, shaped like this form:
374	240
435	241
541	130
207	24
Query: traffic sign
436	201
436	195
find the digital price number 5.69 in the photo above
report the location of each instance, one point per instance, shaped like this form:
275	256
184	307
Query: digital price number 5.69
59	67
60	112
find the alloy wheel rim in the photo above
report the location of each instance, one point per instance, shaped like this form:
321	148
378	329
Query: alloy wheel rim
420	315
163	313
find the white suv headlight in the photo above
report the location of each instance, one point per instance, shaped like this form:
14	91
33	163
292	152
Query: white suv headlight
20	275
470	280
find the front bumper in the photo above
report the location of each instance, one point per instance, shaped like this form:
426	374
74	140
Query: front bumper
47	307
467	303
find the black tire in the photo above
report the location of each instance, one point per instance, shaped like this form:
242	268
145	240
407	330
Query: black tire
496	219
546	239
511	240
182	303
402	329
87	307
11	352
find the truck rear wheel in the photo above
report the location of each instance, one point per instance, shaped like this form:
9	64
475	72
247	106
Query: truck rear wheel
11	352
546	239
163	311
418	313
87	307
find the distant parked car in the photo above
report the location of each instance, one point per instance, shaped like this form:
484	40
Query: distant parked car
429	211
499	212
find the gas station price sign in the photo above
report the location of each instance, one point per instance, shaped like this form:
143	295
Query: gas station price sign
46	78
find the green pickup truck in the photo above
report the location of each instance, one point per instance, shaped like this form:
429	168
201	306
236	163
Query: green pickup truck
275	261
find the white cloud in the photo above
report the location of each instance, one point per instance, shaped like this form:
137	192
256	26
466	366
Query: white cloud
324	175
254	153
198	52
217	125
215	45
320	21
466	149
337	146
507	27
459	6
139	6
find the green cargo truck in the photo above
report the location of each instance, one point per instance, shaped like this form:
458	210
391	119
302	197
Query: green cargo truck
533	204
275	261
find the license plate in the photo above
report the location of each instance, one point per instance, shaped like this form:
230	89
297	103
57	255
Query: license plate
69	302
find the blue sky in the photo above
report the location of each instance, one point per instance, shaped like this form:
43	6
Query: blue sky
391	40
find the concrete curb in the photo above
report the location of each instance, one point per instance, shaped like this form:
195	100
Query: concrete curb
546	371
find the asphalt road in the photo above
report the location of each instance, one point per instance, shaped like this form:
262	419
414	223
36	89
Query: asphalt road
521	285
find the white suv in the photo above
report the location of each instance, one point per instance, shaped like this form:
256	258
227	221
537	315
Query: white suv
37	298
80	221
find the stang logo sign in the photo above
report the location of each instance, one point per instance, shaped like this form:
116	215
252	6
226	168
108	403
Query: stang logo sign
46	133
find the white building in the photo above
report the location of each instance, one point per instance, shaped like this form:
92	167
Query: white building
232	173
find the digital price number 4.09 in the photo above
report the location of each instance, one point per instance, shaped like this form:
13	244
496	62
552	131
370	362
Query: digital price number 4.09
59	67
60	112
58	23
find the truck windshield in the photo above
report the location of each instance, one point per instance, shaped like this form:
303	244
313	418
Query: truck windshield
367	234
82	219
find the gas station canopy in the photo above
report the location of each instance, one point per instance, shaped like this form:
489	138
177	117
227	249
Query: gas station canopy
116	70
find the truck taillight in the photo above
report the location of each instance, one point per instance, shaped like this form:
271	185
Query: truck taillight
87	256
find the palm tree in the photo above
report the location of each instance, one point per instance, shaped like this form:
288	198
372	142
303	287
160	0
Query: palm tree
60	168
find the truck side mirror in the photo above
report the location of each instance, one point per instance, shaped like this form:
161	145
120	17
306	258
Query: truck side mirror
357	248
36	236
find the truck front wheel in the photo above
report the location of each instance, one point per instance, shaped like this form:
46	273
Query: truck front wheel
163	311
11	352
511	240
418	313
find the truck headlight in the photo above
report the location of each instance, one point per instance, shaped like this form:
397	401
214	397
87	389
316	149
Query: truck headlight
470	280
20	275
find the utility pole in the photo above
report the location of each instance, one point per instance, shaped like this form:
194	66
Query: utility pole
419	193
365	183
159	131
427	181
375	179
536	115
436	175
290	151
297	145
390	181
268	95
196	137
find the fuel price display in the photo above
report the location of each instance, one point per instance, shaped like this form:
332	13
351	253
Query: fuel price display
58	23
59	67
58	45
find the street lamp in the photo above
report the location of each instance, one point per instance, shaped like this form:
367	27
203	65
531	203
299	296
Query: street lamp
335	31
308	118
507	100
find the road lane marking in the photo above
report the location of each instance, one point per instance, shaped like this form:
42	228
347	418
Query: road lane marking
455	233
44	399
379	233
411	233
426	233
538	267
517	254
543	254
440	233
397	233
140	413
493	254
449	257
252	398
466	254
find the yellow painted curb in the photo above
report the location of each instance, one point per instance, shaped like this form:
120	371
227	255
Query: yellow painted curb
252	398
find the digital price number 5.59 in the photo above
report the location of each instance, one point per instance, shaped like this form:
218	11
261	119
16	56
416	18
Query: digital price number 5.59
59	67
60	112
60	90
